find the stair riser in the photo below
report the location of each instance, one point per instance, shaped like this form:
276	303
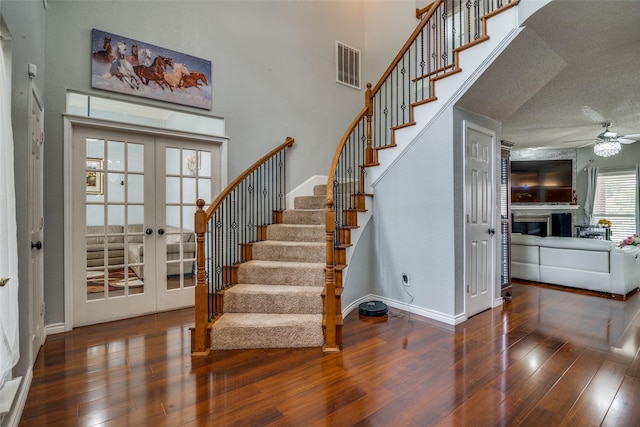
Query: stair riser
267	252
315	217
270	337
310	202
282	233
277	304
301	276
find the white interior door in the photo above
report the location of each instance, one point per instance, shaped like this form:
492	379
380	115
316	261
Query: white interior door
480	230
36	222
135	204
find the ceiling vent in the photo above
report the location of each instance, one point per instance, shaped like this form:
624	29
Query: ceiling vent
347	65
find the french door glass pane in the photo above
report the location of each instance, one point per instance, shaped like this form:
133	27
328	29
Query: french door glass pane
114	219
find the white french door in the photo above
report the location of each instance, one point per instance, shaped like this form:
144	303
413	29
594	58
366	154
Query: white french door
480	230
36	221
134	200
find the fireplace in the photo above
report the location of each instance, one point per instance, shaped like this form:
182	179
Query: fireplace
534	228
543	223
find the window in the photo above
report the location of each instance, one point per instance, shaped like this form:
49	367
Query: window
616	201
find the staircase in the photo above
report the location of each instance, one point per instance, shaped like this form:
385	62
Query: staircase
283	287
277	302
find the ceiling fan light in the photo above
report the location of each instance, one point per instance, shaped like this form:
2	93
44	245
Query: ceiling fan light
607	148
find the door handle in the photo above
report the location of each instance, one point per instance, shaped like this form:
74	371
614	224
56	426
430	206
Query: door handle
149	231
161	231
492	231
37	245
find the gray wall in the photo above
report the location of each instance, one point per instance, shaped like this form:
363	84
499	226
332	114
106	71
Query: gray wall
414	222
273	76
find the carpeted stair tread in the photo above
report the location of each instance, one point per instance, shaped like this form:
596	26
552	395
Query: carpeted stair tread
289	251
282	273
280	299
296	233
257	330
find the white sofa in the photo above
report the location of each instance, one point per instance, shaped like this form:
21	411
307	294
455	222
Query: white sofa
179	245
591	264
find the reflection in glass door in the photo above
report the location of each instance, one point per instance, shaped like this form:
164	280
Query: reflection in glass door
187	176
134	240
115	218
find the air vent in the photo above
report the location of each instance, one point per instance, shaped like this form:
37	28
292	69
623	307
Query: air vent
347	65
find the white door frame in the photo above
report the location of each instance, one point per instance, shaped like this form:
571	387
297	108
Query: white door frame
71	121
492	262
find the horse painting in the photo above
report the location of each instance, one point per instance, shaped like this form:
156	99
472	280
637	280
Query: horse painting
122	69
154	72
105	55
172	80
192	80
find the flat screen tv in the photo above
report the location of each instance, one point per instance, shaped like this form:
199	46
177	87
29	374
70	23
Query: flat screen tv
541	181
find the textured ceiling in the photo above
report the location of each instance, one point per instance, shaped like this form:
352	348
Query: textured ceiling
575	65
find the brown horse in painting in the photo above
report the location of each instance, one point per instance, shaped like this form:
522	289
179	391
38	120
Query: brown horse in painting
105	55
172	80
154	72
192	80
133	58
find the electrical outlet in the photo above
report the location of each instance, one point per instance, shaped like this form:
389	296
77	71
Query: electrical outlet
405	279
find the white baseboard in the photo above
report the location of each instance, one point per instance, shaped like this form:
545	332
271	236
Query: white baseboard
54	328
12	419
429	314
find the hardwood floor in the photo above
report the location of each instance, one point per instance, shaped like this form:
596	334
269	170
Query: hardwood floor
546	358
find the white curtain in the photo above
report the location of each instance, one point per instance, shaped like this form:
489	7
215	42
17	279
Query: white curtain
638	199
592	181
9	336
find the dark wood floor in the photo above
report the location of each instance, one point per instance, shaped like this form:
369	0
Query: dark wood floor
547	358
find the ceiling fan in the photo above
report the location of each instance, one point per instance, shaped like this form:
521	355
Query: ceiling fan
608	142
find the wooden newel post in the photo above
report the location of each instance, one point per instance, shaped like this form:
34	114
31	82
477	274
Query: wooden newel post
201	344
330	339
369	152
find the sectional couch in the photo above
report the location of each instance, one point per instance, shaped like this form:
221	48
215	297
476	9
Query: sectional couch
597	265
133	249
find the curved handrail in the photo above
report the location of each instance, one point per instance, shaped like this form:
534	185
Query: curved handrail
425	19
225	193
336	156
235	219
430	53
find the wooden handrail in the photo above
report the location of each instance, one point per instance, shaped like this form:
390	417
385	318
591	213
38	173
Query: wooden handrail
200	333
334	211
336	156
216	203
406	46
420	12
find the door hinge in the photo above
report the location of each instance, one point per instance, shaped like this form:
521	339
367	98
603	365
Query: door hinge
467	288
42	309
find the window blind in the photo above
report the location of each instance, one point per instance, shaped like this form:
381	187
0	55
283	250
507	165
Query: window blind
616	201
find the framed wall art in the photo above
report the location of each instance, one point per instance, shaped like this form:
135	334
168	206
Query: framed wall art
95	176
124	65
